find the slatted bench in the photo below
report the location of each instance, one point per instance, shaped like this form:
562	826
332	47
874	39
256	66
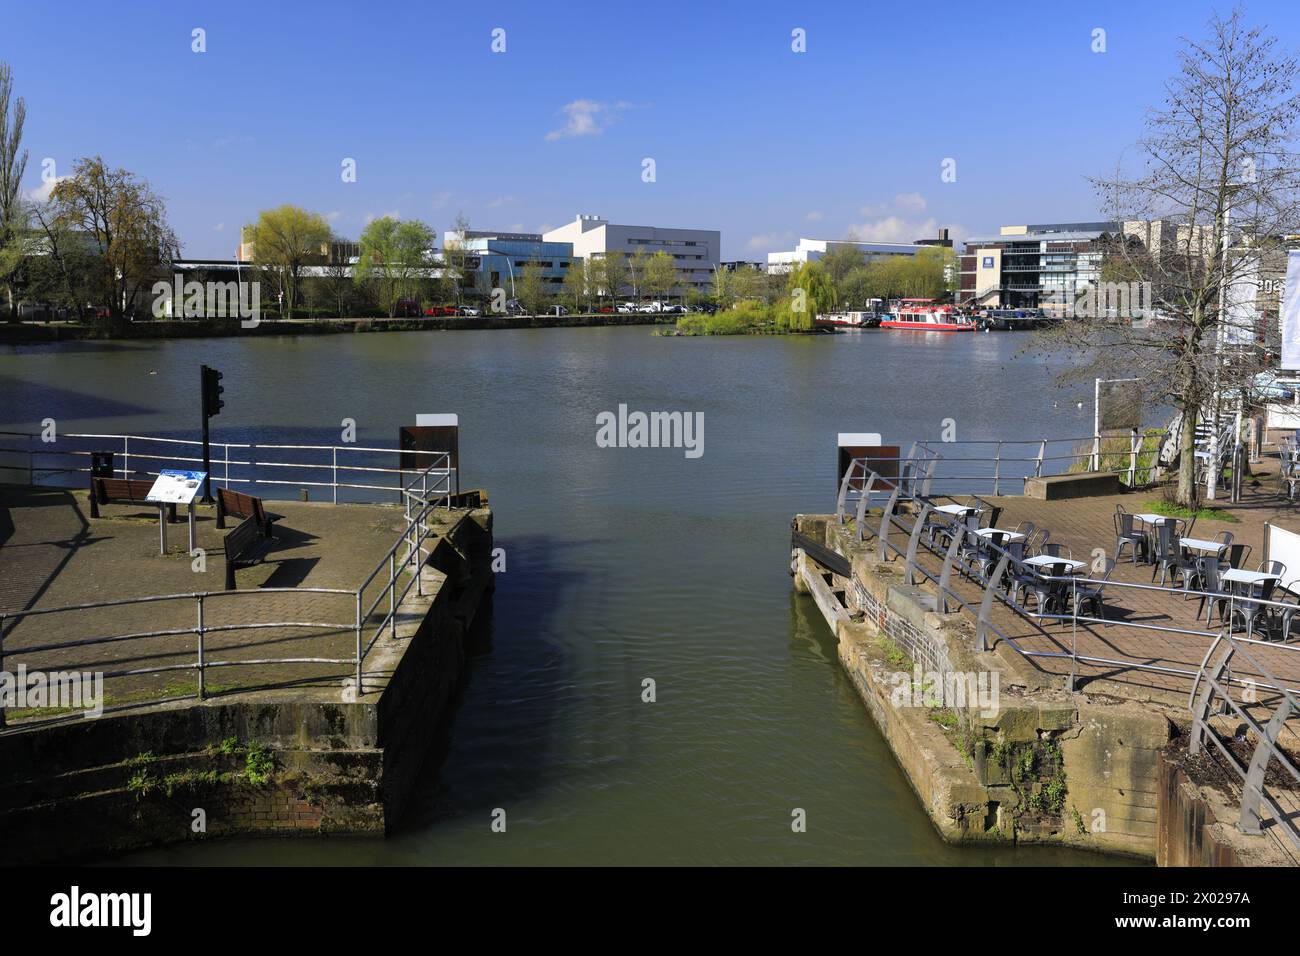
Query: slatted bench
245	547
124	491
241	505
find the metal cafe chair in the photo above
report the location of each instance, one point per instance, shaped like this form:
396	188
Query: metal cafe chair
1249	610
1126	533
1209	579
1091	596
1272	567
1282	617
990	554
1237	556
1056	550
1168	552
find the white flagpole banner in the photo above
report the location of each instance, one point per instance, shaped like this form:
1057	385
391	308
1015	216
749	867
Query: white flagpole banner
1290	313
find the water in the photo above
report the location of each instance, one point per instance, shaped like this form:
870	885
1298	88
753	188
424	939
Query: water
622	565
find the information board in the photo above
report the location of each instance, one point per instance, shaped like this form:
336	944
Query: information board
174	487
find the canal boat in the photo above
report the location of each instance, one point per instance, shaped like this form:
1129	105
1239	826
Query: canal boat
849	320
922	315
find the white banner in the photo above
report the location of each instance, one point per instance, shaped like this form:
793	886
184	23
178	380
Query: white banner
1290	314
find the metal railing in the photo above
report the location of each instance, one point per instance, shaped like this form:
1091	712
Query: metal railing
238	465
397	571
1211	694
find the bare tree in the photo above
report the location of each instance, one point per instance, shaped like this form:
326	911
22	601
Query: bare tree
13	162
1218	187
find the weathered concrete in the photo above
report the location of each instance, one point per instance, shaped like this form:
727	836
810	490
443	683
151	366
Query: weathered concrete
1088	484
284	760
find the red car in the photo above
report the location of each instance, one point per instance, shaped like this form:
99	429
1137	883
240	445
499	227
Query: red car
439	310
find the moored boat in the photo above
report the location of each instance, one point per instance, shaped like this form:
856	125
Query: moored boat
922	315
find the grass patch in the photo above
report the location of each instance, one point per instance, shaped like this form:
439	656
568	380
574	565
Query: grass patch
1116	455
1170	510
893	653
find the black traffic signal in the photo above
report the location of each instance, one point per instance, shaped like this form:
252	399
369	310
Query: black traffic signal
212	403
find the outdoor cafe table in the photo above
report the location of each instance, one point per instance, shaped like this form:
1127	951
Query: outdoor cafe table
1012	536
1241	576
1046	560
1200	544
956	509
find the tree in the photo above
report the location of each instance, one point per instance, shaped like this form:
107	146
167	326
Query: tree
13	214
660	275
575	284
284	240
811	293
1219	181
534	290
636	266
395	254
127	223
612	273
339	280
840	260
455	258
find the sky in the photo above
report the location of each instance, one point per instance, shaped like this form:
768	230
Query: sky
746	135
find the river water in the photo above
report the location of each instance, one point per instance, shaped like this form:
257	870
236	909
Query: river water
622	564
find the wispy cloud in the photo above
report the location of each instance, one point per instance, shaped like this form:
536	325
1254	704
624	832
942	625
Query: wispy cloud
769	241
814	216
440	200
588	118
500	201
42	192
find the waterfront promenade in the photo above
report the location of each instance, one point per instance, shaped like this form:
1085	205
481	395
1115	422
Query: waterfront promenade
53	554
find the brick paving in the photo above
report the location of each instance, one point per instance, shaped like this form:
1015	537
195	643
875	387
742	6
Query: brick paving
53	554
1085	524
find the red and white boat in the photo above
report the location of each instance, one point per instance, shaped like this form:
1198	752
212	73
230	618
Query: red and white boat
922	315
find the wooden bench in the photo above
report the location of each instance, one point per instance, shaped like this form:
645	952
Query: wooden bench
244	506
245	546
125	491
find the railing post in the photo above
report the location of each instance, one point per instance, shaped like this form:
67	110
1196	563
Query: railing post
844	491
986	605
392	595
1253	789
335	472
126	456
913	541
929	475
1200	704
1135	446
1038	462
2	663
882	552
358	697
958	536
997	468
202	681
1074	635
860	522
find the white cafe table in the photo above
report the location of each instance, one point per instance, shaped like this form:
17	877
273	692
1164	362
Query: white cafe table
1150	518
1011	535
956	509
1046	560
1200	544
1242	576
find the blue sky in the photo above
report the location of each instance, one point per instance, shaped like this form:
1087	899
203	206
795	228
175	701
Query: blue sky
747	136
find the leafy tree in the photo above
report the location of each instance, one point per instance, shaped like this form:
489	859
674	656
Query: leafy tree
575	284
534	290
636	269
612	274
13	215
455	259
284	240
395	254
811	293
127	223
840	260
660	275
339	281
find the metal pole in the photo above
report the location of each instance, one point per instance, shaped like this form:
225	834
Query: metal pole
335	453
2	663
997	468
358	697
202	682
392	595
1074	634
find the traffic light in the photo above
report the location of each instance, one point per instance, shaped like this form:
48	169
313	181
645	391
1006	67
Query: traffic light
212	403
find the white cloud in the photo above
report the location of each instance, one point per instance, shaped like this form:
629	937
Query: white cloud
500	201
894	229
814	216
901	203
42	192
219	227
334	216
544	228
769	241
587	118
441	199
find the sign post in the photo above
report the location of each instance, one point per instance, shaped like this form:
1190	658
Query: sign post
175	487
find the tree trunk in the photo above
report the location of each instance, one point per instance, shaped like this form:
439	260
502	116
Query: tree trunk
1187	492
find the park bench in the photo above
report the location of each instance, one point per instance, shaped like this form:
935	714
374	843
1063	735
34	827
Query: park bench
244	506
245	546
129	491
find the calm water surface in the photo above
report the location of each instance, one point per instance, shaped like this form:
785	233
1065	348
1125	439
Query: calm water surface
623	564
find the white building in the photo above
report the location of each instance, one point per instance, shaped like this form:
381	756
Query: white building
695	251
810	250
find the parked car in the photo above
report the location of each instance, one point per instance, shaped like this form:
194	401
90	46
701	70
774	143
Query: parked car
469	310
437	310
606	309
651	307
557	310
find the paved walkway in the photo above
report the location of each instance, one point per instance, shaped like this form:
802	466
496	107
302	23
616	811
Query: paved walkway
53	554
1086	524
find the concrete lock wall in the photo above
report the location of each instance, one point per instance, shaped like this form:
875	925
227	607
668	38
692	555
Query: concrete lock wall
91	787
1048	766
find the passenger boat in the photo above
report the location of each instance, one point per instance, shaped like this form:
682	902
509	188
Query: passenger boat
922	315
849	320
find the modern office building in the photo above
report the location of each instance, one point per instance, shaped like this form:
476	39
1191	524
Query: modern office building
810	250
695	251
498	258
1035	266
